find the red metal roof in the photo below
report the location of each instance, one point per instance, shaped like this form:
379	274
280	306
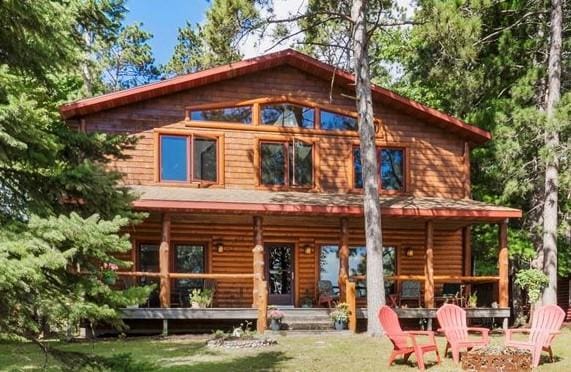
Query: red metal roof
286	57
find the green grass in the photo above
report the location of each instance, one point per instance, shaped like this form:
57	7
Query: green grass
295	352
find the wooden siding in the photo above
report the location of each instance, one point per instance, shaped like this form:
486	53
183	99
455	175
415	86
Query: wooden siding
436	158
236	233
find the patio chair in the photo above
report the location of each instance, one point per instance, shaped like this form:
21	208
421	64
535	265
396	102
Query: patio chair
405	342
410	291
452	292
452	320
327	293
545	324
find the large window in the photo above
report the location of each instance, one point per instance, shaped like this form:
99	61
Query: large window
334	121
179	164
287	115
329	264
286	163
188	258
148	261
241	115
391	168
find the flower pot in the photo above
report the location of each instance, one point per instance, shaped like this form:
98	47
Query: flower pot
275	324
340	325
195	305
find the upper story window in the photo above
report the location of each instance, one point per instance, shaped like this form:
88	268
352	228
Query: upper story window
334	121
391	168
286	163
287	115
188	158
242	114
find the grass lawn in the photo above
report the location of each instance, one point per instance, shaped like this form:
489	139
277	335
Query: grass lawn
295	352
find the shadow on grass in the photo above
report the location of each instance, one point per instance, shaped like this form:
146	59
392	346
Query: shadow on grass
77	361
263	361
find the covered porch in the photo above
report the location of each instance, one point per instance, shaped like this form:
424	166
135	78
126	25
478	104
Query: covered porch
238	239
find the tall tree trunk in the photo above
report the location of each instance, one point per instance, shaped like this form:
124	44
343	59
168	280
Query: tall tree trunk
550	206
372	208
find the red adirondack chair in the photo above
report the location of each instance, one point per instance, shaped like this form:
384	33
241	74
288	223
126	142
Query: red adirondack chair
452	320
545	324
400	339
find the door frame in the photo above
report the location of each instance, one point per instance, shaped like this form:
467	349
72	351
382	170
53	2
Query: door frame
294	285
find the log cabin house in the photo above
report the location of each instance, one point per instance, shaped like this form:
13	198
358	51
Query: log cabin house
250	173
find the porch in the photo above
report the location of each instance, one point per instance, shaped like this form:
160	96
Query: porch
236	246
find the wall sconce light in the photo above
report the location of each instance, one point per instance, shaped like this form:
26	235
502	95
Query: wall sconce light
409	252
307	249
219	245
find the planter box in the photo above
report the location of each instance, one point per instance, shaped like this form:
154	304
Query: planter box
496	358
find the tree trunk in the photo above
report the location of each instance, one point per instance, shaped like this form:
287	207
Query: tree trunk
372	208
550	206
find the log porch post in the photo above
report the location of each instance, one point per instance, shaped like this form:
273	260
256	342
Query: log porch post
503	264
467	252
164	254
343	258
429	265
258	259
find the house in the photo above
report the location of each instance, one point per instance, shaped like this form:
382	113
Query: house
250	173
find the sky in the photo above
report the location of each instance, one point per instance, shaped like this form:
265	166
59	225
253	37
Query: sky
162	18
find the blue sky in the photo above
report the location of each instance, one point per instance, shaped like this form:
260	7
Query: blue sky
162	18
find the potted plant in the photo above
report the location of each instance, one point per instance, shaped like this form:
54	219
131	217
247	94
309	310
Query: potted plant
340	316
201	298
109	273
473	300
276	317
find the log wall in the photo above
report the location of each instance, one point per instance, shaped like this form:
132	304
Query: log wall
436	164
236	233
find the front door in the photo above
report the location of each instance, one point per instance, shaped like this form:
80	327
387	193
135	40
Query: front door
280	273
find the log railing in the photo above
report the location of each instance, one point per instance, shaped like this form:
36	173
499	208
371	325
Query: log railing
261	287
437	278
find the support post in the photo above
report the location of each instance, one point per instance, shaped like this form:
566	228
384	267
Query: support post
467	251
262	306
429	265
258	259
165	332
503	264
165	289
352	302
343	258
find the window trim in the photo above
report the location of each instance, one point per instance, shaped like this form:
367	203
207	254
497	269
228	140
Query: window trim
379	147
286	142
190	135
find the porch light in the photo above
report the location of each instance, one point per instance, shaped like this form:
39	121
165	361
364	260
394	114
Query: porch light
219	246
307	249
409	252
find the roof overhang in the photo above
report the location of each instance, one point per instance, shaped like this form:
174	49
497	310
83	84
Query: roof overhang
179	199
287	57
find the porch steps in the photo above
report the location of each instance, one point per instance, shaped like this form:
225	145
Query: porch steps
302	319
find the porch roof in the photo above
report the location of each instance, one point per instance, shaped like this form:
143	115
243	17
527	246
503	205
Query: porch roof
182	199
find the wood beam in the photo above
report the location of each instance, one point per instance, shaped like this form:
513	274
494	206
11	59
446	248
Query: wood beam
164	267
258	259
352	301
343	257
467	254
429	265
503	264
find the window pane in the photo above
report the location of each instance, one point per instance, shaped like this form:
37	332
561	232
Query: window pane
231	114
285	115
389	268
174	158
188	259
333	121
204	161
273	163
329	264
357	168
358	266
301	168
148	258
392	166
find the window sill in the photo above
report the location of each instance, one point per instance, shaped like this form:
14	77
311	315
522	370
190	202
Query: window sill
287	188
192	185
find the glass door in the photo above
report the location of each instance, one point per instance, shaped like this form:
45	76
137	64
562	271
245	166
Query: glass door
280	273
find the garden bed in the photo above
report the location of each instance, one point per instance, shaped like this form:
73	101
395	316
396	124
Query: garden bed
241	343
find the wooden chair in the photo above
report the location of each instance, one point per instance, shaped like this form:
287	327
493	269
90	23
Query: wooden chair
545	324
400	339
409	291
327	294
452	320
452	293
